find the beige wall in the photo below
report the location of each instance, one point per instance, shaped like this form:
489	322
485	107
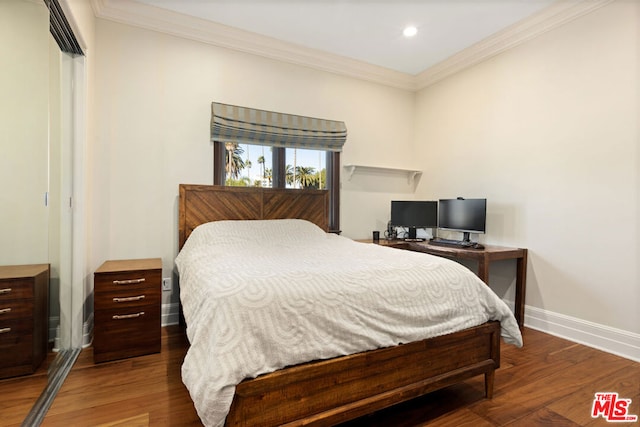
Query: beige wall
548	132
24	116
152	97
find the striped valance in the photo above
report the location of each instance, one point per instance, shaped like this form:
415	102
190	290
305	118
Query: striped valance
230	123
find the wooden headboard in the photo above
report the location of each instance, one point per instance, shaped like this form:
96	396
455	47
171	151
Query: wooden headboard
205	203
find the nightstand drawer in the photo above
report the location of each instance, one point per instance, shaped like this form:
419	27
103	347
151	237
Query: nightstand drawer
11	331
127	298
15	309
16	289
134	319
15	349
126	332
130	281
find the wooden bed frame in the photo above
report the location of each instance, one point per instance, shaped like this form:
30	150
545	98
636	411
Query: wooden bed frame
328	392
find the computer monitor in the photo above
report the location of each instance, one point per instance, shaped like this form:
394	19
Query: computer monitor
414	214
464	215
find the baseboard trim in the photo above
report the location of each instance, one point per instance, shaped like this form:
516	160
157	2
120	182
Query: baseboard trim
87	332
170	314
54	324
612	340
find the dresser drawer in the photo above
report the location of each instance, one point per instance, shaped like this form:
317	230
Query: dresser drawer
16	289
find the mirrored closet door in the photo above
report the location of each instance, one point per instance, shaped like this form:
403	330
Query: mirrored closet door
35	215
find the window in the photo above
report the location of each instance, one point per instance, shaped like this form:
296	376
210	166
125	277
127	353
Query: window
293	142
248	165
252	165
264	166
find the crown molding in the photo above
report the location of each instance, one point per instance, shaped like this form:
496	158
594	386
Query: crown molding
554	16
188	27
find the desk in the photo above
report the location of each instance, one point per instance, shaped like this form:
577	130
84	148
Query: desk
483	257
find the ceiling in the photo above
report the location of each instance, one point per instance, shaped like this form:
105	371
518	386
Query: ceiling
362	38
368	30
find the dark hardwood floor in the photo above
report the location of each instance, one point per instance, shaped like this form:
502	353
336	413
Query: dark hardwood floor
549	382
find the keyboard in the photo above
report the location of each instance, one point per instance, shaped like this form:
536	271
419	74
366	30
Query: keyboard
451	243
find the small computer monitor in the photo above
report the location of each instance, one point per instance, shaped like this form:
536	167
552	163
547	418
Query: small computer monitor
464	215
414	214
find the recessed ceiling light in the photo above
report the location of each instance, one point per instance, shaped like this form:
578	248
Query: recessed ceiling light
410	31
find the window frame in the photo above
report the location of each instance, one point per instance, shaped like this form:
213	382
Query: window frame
279	177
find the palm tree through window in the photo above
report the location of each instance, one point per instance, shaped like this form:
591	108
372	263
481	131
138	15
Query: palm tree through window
303	168
234	164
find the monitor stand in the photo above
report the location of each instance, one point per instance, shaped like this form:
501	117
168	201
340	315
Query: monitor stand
466	237
412	235
413	232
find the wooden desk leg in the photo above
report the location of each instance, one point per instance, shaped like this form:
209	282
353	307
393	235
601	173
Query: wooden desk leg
483	269
521	286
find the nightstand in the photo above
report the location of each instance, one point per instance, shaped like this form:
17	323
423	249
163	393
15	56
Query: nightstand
24	318
127	299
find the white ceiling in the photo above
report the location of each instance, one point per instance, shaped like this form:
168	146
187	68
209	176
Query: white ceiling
357	38
368	30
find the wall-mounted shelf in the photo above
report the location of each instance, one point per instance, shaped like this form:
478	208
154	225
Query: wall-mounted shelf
411	174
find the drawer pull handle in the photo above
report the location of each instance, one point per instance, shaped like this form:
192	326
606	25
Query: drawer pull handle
5	310
5	291
128	299
128	282
5	330
127	316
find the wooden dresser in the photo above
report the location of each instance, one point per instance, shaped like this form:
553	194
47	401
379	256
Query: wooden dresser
127	300
24	317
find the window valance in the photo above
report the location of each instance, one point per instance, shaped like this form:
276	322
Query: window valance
230	123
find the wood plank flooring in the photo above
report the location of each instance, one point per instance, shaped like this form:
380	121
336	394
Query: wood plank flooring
549	382
18	394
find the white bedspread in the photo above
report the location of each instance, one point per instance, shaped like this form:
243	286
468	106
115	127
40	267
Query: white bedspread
261	295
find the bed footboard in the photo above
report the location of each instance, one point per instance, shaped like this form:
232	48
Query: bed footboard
324	393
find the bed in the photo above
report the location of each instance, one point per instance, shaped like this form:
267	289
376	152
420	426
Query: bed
287	329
